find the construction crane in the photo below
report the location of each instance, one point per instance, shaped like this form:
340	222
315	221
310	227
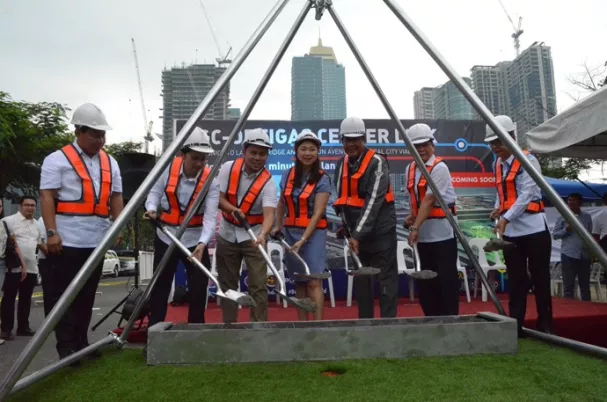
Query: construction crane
221	60
517	30
147	127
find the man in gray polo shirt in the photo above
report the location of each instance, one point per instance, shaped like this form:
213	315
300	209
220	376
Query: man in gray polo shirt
246	189
575	259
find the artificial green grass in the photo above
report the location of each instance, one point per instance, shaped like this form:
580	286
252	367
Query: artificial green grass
537	373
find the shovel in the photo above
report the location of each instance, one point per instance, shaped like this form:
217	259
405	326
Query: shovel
236	296
359	270
420	273
304	304
324	275
498	243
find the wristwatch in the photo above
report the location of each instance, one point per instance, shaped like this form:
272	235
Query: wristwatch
412	229
51	233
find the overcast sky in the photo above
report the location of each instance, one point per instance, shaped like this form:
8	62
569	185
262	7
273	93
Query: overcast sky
73	51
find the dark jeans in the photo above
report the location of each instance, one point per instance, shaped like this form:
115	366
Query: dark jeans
378	252
72	330
572	267
439	296
531	252
13	285
197	284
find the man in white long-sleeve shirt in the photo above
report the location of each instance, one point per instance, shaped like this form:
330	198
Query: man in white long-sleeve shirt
175	192
522	221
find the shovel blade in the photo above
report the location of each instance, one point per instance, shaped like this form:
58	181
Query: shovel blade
323	275
238	297
364	271
424	274
304	304
498	244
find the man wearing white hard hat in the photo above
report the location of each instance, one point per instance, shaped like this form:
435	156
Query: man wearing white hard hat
522	221
176	191
248	190
429	228
366	200
80	189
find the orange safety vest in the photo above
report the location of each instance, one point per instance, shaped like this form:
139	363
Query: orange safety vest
422	186
349	193
174	216
506	188
249	199
299	211
89	203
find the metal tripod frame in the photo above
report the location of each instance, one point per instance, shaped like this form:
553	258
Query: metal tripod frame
67	298
10	382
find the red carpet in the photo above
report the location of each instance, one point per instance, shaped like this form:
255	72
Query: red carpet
582	321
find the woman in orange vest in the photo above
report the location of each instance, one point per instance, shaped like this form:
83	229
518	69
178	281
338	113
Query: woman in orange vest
301	217
429	228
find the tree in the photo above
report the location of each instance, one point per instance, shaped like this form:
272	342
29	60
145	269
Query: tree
28	133
558	168
590	79
120	148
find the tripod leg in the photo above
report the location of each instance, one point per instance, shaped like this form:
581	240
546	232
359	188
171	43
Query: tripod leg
109	313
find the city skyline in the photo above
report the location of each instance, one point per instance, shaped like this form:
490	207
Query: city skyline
523	88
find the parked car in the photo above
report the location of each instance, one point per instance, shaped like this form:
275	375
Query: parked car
128	263
111	264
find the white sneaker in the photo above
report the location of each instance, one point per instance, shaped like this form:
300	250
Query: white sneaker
1	341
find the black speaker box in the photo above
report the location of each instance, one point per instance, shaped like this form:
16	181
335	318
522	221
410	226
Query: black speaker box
134	168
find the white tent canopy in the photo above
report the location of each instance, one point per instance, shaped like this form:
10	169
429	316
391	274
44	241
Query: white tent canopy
578	132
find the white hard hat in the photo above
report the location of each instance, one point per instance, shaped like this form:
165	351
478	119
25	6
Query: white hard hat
307	135
420	133
257	137
505	122
199	141
352	127
91	116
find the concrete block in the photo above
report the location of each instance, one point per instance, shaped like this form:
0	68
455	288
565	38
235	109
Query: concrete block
483	333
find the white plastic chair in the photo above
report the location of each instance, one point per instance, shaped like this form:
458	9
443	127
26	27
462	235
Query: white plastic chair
556	281
401	246
484	263
465	278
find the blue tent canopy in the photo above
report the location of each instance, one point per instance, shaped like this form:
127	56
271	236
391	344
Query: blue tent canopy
566	187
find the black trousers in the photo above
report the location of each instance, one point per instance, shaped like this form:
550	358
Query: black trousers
439	296
13	286
197	284
44	269
72	330
532	252
378	252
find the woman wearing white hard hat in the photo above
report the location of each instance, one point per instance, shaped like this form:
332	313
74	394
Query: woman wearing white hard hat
522	221
176	191
301	217
80	190
429	229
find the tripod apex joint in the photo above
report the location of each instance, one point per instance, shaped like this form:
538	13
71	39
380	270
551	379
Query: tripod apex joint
320	6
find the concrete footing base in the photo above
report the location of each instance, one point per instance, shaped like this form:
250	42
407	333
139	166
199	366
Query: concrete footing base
483	333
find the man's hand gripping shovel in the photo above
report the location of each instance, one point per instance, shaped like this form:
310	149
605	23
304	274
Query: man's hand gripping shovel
238	297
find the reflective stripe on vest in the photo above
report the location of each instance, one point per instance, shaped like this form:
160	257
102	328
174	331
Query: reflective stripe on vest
422	187
506	188
349	194
300	211
174	216
250	197
89	203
